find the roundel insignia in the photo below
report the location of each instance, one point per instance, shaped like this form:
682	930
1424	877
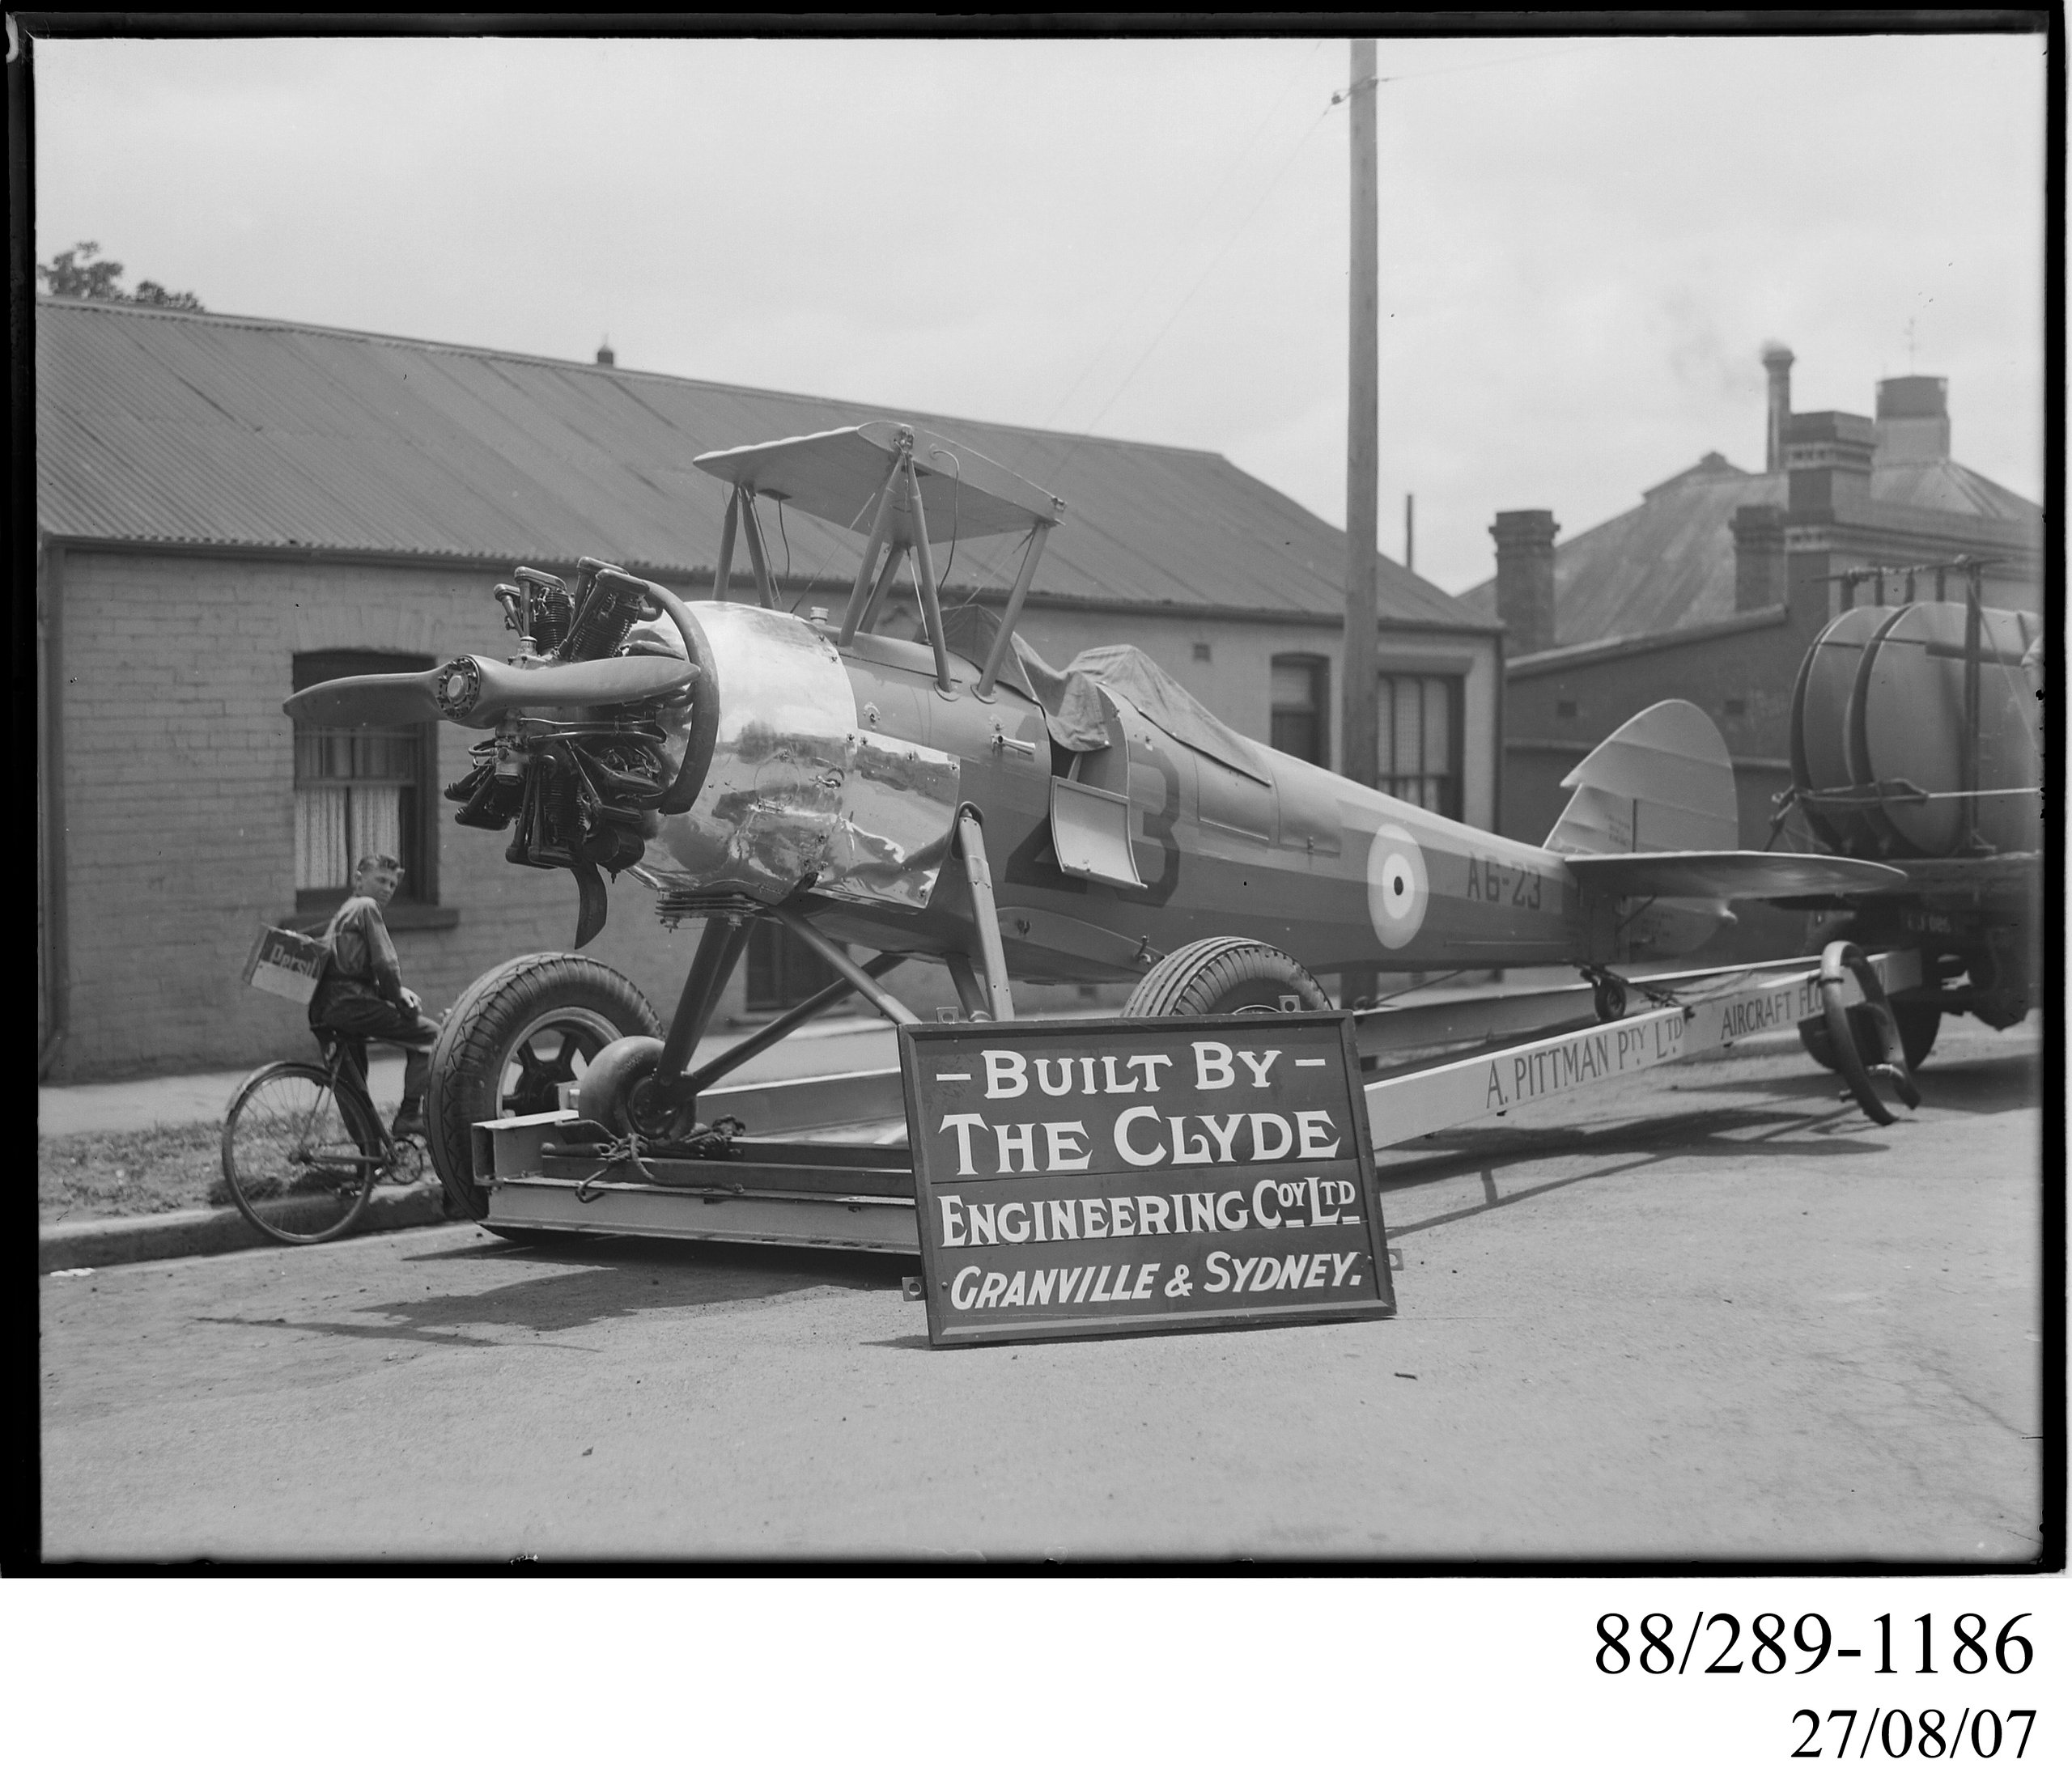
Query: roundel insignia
1398	886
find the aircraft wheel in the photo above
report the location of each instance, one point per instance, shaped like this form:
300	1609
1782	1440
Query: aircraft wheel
1867	1070
619	1091
516	1034
1918	1022
1221	977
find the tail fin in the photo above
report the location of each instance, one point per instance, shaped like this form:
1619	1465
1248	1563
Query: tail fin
1661	782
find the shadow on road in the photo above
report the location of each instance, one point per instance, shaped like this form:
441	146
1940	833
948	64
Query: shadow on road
588	1280
1964	1085
1639	1144
1699	1132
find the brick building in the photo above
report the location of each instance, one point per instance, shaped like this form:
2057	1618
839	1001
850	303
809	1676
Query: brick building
1716	585
228	508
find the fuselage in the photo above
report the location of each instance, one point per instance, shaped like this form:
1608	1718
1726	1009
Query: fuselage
1336	874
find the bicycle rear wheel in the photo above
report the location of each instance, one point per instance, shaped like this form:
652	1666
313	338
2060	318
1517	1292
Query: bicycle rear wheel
299	1160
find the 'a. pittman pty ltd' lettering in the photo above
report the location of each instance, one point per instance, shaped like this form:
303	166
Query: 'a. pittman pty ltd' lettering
1552	1069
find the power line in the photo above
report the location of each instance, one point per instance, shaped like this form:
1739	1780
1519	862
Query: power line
1206	210
1214	260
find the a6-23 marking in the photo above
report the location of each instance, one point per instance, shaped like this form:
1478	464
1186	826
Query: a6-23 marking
1491	881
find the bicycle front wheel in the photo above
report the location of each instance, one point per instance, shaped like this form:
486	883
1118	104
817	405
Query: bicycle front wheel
300	1162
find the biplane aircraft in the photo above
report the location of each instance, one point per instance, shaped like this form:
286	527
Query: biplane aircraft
951	795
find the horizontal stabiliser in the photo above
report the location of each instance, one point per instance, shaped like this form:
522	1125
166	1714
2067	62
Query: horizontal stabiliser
1728	876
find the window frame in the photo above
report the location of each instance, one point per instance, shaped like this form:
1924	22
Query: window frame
1318	668
418	893
774	954
1455	780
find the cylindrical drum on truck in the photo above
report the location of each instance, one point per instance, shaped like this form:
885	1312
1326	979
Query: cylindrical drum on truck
1931	726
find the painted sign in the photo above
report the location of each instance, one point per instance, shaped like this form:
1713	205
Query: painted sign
284	963
1090	1177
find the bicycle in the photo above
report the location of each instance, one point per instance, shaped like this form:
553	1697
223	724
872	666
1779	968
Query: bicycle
303	1148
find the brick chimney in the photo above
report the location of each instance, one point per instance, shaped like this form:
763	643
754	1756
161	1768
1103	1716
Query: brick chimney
605	355
1759	567
1913	420
1777	363
1826	458
1525	578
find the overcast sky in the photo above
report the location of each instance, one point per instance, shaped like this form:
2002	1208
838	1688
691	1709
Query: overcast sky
1585	242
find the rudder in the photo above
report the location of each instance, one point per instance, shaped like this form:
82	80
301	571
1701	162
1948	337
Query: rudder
1661	782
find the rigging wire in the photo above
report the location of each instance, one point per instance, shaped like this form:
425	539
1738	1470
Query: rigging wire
956	496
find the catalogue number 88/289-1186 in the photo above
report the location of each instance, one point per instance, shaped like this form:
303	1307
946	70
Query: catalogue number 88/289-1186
1714	1645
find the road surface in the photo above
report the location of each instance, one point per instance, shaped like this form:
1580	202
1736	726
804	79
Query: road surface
1708	1312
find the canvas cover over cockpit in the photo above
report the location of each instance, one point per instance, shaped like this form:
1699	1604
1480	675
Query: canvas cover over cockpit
1073	708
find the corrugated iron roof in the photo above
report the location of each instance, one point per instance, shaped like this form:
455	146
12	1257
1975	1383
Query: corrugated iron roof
1669	562
170	426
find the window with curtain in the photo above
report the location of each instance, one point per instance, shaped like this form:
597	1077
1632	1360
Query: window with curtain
1301	707
360	791
1419	721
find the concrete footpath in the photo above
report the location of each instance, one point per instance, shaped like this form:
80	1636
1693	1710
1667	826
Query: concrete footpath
821	1048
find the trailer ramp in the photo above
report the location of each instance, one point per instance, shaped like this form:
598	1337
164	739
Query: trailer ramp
840	1175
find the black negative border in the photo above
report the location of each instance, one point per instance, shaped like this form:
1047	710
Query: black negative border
1154	1323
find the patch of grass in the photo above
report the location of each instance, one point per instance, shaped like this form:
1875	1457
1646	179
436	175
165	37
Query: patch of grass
101	1175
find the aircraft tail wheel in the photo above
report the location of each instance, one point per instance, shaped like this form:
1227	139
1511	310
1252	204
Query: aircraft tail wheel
1873	1022
1228	975
516	1035
1919	1022
1609	994
616	1078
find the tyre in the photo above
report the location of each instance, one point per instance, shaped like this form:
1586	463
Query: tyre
1225	976
615	1075
1918	1023
515	1037
299	1162
1869	1070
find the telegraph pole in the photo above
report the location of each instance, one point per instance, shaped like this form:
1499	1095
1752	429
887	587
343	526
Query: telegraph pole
1358	742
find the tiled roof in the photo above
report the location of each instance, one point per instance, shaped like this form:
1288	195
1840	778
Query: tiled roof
1669	562
168	426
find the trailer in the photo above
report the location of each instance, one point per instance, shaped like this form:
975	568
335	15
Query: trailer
824	1162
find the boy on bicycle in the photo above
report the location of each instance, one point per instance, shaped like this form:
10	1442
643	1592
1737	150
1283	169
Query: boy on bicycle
362	992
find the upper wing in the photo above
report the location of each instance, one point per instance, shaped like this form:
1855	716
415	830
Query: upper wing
1729	875
839	476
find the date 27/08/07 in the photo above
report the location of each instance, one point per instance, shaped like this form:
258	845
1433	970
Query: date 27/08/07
1928	1731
